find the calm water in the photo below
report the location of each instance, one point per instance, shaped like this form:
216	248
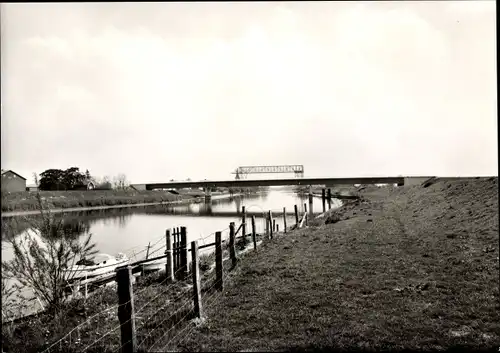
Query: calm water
129	230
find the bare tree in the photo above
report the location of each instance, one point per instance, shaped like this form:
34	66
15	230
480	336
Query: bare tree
35	178
120	182
103	183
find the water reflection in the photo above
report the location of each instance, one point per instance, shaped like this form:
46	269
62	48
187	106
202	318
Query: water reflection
73	223
130	230
79	223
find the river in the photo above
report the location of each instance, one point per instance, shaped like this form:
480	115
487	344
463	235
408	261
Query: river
130	230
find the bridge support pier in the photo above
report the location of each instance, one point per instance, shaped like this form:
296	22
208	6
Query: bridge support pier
208	194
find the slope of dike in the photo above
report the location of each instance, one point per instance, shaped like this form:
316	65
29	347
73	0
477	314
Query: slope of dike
403	268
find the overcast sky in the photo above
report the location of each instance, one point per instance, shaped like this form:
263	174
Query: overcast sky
177	90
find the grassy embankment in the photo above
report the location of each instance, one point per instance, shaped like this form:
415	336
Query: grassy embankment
26	201
410	267
404	268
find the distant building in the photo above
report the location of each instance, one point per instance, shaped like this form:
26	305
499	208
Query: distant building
138	187
13	182
86	185
31	188
90	185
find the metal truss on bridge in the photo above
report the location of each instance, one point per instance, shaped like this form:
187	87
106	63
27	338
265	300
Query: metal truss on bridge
241	172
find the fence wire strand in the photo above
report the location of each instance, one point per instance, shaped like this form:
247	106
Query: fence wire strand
209	296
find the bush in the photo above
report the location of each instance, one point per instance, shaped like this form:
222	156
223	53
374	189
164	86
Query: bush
41	254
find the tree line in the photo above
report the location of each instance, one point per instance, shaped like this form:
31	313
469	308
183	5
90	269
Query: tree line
73	179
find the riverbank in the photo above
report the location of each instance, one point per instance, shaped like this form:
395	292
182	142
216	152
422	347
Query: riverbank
179	200
408	267
91	199
338	191
402	268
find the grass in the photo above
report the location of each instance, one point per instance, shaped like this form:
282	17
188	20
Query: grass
405	268
410	268
162	311
26	201
162	307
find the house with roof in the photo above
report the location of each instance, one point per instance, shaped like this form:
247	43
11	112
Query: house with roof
31	188
86	185
12	182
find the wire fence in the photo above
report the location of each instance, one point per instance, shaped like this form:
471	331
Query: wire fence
147	296
163	312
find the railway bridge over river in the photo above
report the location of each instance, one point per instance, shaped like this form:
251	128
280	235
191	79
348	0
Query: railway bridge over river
208	185
298	180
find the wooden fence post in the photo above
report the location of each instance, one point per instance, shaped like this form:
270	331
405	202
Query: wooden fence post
170	258
147	256
329	198
219	285
271	225
178	246
195	270
179	255
305	207
274	225
310	200
268	235
284	219
253	234
126	313
184	262
244	225
147	252
232	249
277	228
296	216
323	199
176	265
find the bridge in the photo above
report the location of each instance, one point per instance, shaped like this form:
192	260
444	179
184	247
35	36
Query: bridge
207	185
242	172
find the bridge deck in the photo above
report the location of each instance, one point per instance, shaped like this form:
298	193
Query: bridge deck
275	182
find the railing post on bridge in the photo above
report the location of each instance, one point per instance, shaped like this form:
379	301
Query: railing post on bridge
232	249
126	313
219	285
195	270
244	225
296	216
284	219
170	258
184	262
323	199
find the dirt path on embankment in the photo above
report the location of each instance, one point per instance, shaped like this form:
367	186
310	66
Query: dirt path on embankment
408	267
